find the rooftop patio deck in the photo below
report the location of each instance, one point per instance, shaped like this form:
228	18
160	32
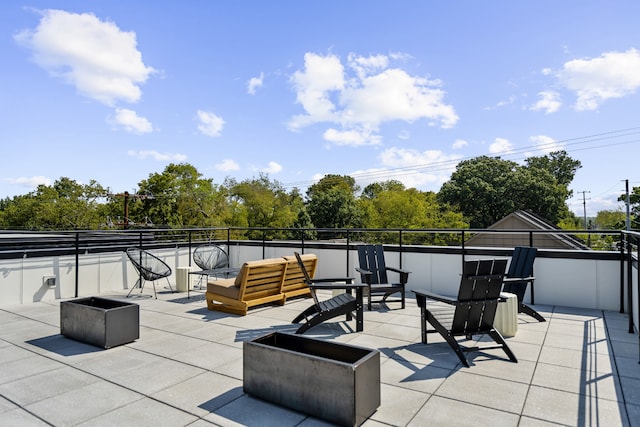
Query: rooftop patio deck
578	368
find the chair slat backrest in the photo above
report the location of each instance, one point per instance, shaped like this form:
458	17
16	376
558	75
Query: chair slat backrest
522	261
307	278
478	295
371	258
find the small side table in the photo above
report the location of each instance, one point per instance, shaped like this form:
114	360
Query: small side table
183	279
506	320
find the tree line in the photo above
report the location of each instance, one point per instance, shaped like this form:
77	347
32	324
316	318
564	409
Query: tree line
480	191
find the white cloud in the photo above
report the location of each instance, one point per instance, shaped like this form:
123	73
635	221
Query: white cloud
359	102
227	165
273	167
414	168
254	83
459	143
501	146
155	155
130	121
549	102
546	144
99	59
322	74
594	80
29	182
351	137
210	124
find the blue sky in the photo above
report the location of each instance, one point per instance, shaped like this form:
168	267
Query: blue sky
115	90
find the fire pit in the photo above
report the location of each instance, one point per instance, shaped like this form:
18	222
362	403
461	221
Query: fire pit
101	322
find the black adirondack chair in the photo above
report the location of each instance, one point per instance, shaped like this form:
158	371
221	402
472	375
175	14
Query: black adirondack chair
150	268
471	313
373	272
519	275
338	305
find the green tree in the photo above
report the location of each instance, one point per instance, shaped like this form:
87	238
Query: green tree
180	197
486	189
260	202
64	205
478	188
332	203
390	205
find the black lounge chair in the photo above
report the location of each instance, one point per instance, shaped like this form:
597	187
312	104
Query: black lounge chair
519	275
373	272
471	313
340	304
150	268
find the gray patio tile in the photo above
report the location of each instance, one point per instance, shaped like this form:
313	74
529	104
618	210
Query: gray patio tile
210	355
622	334
485	391
398	405
20	417
503	368
117	361
523	351
528	336
533	422
412	376
141	413
577	342
45	385
438	355
590	383
633	412
588	360
6	405
233	369
625	349
155	375
627	367
439	411
202	394
250	411
404	333
83	403
26	367
171	345
588	330
573	409
630	390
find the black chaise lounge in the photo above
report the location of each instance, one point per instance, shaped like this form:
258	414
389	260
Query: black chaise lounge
472	313
373	272
343	303
519	275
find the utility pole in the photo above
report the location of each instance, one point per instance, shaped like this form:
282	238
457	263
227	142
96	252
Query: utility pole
584	206
628	203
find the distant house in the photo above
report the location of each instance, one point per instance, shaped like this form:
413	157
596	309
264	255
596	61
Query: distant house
523	220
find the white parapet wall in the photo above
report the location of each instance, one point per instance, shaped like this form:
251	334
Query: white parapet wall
561	281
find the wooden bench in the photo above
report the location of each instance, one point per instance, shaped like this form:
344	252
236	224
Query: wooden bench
294	282
258	282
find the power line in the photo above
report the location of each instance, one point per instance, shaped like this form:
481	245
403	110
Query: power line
518	154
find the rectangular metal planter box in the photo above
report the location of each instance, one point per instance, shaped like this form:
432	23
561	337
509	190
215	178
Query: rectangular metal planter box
336	382
101	322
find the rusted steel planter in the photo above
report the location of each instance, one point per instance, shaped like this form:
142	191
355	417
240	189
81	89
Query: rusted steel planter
101	322
336	382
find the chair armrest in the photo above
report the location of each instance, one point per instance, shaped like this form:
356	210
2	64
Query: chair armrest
363	271
347	280
422	294
519	279
404	274
334	285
